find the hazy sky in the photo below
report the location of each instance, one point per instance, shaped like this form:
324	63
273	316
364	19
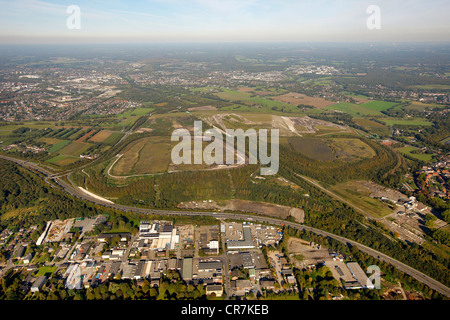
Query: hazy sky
36	21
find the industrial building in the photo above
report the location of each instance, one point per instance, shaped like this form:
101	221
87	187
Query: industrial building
360	275
158	235
186	271
245	243
38	284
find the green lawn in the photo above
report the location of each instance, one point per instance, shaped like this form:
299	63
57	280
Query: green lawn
418	156
353	109
378	105
42	271
406	122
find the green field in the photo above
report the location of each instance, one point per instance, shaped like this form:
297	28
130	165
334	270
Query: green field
144	156
58	146
42	271
418	156
350	149
317	149
70	153
358	195
406	122
130	116
113	138
354	109
62	160
344	149
378	105
137	112
250	101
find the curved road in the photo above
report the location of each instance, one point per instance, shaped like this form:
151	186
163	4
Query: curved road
432	283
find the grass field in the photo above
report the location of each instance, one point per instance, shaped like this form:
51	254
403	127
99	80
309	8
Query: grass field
345	149
418	156
46	270
294	98
378	105
56	144
130	116
144	156
137	112
406	122
75	148
113	137
372	126
62	160
69	153
354	109
358	195
350	149
313	148
251	101
417	106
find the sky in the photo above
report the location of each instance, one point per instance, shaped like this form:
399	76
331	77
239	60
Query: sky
121	21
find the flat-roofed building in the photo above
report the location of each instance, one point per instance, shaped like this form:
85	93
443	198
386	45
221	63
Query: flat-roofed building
38	284
247	260
217	289
245	243
360	275
241	287
129	271
139	269
214	266
187	269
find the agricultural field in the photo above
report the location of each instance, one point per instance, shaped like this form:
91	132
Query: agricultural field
294	98
86	136
372	126
56	144
70	153
113	138
354	109
261	91
101	136
250	100
378	105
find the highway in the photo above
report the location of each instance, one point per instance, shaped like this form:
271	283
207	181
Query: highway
74	191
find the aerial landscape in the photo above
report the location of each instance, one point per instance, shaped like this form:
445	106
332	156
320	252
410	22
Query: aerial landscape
120	178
